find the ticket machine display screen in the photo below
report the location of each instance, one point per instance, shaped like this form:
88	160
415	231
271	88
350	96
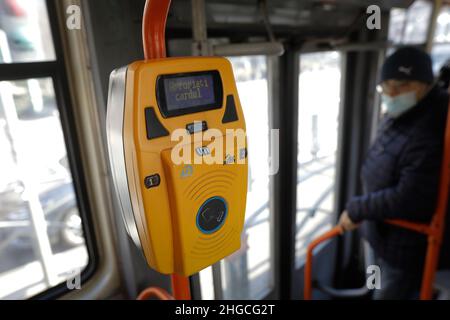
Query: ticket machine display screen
180	94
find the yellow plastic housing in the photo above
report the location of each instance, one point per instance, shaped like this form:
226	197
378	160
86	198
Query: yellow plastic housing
166	215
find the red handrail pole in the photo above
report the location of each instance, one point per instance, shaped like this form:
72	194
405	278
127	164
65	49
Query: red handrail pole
154	28
159	293
181	287
154	43
429	272
438	222
414	226
337	230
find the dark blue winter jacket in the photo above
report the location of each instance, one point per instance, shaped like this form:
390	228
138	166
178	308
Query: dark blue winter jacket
400	180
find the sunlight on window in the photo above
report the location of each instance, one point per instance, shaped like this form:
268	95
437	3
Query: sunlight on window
410	26
317	145
41	237
248	273
25	32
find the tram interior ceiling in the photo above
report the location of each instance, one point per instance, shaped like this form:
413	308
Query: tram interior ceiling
96	97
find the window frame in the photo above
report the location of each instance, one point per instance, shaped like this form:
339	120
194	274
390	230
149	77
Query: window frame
56	71
283	185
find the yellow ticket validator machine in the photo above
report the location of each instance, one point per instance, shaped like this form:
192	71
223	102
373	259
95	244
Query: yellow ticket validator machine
178	156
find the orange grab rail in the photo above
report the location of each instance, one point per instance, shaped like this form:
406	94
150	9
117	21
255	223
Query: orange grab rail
159	293
154	28
180	289
154	44
434	230
337	230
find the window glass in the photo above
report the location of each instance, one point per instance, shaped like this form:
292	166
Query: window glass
319	96
410	26
25	32
206	284
440	54
41	236
248	273
440	51
442	33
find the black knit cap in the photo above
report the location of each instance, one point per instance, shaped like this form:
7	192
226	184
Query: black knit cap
408	63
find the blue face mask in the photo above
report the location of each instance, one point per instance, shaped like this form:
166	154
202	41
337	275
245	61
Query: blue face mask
396	106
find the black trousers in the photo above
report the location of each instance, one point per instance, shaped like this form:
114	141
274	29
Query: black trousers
397	284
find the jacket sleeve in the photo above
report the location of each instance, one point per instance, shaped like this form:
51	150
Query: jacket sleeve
414	196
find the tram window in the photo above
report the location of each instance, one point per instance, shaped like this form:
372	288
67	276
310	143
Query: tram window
207	284
248	273
409	26
24	32
41	236
41	239
440	51
317	144
442	34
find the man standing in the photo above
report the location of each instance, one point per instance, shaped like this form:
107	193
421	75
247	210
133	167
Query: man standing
401	171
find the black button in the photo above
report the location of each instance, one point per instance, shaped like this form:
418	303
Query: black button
152	181
155	129
211	215
196	127
230	114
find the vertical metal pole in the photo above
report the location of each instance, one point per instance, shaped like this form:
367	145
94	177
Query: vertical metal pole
200	46
437	5
217	281
283	83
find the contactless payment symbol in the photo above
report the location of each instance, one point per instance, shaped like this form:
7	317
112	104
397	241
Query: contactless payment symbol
211	215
